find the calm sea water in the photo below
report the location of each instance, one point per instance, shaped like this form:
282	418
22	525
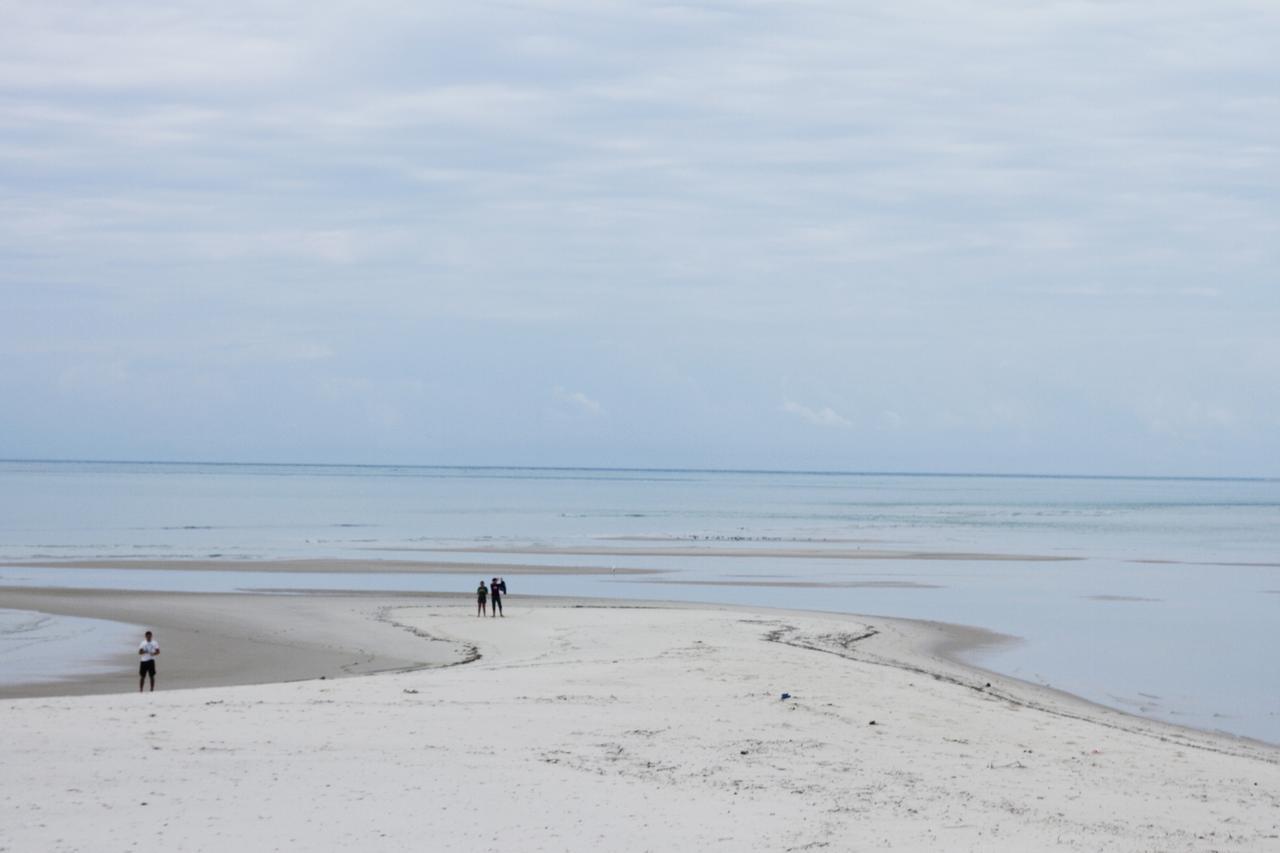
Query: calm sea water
1171	607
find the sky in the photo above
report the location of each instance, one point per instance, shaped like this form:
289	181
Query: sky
997	236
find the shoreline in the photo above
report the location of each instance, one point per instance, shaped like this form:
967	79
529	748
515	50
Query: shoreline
298	635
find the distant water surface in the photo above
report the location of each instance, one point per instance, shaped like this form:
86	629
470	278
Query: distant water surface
1167	608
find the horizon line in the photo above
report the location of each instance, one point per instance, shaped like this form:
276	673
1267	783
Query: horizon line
810	472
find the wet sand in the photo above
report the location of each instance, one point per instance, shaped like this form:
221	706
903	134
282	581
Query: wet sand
209	640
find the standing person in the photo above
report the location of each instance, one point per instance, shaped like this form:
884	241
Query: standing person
482	592
148	651
495	598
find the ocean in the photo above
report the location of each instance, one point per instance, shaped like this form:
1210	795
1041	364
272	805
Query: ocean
1163	597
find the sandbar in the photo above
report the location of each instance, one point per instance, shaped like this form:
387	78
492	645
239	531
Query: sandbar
590	725
326	566
720	551
792	584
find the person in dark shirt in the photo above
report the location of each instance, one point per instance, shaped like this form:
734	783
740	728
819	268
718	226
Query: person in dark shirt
482	592
496	589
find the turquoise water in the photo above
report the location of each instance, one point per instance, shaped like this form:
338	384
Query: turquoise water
1170	606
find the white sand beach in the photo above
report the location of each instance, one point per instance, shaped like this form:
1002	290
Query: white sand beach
597	725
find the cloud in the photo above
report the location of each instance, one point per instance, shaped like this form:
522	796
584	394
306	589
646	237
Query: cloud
1182	417
915	205
825	417
578	401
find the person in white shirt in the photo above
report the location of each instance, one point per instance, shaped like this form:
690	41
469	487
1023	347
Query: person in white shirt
148	651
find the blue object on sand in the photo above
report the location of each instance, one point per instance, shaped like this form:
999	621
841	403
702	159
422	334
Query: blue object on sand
786	696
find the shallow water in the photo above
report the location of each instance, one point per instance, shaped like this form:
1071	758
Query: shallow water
37	648
1188	641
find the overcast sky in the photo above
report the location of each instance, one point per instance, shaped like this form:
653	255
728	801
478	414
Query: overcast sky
927	236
